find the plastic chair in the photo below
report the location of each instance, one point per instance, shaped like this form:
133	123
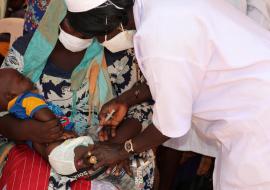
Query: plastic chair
13	26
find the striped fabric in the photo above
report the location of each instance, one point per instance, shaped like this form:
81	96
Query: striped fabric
24	160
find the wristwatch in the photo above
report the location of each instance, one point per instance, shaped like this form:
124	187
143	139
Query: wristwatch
129	146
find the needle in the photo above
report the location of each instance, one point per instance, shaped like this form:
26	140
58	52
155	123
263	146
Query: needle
108	117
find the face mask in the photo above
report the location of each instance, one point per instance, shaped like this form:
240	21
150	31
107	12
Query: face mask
120	42
73	43
62	157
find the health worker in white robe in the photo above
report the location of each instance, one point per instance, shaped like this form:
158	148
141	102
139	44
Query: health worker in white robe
208	68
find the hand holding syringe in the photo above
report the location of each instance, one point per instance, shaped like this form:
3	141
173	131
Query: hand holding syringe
111	115
108	117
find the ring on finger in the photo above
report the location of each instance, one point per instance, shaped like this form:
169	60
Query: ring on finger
92	160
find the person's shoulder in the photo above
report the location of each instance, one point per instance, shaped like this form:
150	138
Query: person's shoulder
173	15
175	7
170	27
22	42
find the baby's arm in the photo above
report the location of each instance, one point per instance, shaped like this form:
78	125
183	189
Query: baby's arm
44	114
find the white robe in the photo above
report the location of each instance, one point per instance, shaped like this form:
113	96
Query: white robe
258	10
208	68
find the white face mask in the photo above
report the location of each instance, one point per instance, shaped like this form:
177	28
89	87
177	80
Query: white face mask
73	43
120	42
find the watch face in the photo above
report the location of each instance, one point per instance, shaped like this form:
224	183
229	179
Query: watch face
128	146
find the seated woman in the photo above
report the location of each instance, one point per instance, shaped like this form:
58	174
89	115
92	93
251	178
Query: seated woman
72	71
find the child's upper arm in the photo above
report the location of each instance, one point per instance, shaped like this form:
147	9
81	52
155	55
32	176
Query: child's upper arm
36	107
44	114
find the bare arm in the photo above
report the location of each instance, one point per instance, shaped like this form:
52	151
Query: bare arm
128	129
36	131
139	93
108	154
13	128
44	114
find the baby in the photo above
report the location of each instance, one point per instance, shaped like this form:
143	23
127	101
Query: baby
19	97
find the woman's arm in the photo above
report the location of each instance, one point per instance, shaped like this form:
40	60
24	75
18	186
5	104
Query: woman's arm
36	131
108	154
139	93
128	129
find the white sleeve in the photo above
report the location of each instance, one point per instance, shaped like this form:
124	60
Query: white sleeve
174	61
174	85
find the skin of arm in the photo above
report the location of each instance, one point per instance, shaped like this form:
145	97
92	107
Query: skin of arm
43	115
140	92
111	153
36	131
128	129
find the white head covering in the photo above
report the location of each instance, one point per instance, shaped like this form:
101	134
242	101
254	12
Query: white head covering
86	5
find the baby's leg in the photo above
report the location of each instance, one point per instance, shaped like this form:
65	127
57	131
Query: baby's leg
45	149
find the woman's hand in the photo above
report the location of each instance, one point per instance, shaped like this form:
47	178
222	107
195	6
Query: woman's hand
106	154
43	132
119	109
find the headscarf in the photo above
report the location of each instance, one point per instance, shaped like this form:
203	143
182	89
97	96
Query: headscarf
92	67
